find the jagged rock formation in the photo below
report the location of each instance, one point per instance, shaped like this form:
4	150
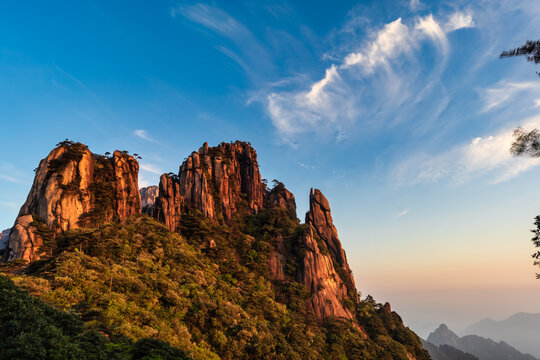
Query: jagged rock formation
326	273
230	226
4	237
73	188
169	203
217	181
149	195
320	217
221	181
279	196
321	279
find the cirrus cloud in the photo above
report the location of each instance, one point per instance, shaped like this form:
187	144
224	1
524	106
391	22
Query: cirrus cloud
385	65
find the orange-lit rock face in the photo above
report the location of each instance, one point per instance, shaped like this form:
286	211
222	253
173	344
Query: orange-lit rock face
126	185
320	218
218	181
169	203
64	191
279	196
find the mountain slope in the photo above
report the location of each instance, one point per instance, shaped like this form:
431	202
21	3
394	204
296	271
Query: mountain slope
224	271
519	330
446	352
36	330
484	349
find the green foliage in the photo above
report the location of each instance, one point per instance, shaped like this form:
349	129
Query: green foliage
102	192
46	234
536	242
74	152
531	50
136	280
32	329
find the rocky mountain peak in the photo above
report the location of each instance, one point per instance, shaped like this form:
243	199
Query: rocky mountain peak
443	335
73	188
325	275
320	218
217	181
148	195
279	196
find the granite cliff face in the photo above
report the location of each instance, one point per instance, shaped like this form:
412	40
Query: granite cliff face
217	181
324	270
73	188
279	196
233	223
320	219
319	276
4	237
169	203
224	180
149	195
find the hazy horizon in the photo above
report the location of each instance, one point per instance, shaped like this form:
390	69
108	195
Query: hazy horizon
401	112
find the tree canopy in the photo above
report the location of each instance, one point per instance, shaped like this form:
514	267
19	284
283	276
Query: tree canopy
526	142
531	50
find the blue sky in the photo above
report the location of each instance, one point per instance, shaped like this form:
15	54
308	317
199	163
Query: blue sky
399	111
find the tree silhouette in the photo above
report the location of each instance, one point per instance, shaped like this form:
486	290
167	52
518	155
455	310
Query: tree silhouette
536	241
526	142
531	50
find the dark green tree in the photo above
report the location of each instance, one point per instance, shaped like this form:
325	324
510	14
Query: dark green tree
526	142
531	50
536	242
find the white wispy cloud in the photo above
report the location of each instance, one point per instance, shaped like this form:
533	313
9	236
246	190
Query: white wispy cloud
150	168
488	155
504	91
414	5
242	47
382	71
10	173
402	213
431	28
307	166
10	179
8	204
143	134
391	41
459	20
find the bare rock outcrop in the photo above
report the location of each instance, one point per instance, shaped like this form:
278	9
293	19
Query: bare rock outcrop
169	203
324	270
24	241
149	195
328	291
320	218
74	188
4	237
279	196
217	181
126	185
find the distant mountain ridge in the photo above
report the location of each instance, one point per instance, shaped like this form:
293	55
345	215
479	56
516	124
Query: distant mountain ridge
521	331
446	352
484	349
